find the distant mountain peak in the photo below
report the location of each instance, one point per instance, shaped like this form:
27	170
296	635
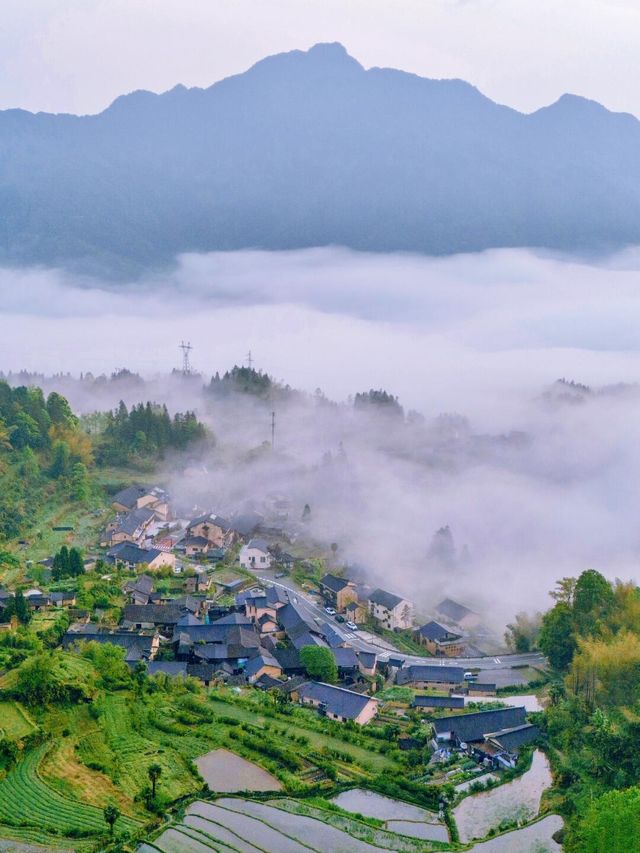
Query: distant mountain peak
327	57
578	107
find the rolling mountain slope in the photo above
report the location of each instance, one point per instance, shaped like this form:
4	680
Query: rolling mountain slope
309	148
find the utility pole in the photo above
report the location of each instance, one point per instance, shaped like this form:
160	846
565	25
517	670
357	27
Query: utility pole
273	430
186	365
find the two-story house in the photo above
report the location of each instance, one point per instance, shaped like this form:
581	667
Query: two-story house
391	611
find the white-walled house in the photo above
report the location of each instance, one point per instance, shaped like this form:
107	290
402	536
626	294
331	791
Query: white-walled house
391	611
255	555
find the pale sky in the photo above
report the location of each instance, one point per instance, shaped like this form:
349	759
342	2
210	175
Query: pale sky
78	55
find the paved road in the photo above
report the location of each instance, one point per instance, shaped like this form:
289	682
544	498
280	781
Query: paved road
363	641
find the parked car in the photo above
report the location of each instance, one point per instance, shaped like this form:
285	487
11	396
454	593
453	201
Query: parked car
470	676
352	626
330	610
339	618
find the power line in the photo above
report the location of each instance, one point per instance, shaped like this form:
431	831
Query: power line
186	364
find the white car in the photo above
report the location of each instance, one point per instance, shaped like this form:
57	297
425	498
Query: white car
330	611
352	626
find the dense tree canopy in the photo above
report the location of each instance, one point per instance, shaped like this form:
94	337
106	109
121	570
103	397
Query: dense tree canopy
146	431
611	824
319	663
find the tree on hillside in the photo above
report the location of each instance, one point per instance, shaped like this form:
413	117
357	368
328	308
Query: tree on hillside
592	602
564	591
76	563
154	772
522	635
140	677
319	663
612	823
22	611
79	484
67	563
557	638
111	815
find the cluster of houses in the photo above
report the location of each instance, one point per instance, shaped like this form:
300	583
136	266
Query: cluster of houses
358	603
257	640
493	738
146	532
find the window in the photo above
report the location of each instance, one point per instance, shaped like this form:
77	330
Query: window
263	559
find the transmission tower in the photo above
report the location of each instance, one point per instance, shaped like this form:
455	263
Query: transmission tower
249	360
186	364
273	430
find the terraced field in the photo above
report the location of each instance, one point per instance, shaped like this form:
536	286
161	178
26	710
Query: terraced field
318	740
15	723
133	753
31	806
254	827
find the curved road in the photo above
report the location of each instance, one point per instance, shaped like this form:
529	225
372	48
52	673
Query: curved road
369	642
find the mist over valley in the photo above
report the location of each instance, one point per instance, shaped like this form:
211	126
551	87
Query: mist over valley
535	478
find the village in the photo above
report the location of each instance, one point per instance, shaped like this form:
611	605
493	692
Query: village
214	599
242	606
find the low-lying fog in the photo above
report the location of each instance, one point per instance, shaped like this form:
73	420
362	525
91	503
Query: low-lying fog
483	336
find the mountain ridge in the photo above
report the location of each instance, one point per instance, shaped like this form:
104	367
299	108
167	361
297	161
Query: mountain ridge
309	148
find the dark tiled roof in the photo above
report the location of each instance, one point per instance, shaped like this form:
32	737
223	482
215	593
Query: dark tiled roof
434	674
438	702
334	583
367	659
256	664
277	595
512	739
129	496
134	520
189	619
452	610
308	639
333	637
203	671
289	659
345	658
124	639
127	552
259	544
204	633
232	619
268	682
62	596
341	702
472	727
385	599
158	614
210	518
436	631
195	542
480	687
143	584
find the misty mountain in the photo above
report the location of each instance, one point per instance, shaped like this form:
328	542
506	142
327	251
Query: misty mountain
307	149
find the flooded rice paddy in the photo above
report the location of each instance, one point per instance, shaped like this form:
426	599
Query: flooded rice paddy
225	772
518	800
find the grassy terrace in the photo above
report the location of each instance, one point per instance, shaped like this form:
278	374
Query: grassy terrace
96	753
303	724
15	722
